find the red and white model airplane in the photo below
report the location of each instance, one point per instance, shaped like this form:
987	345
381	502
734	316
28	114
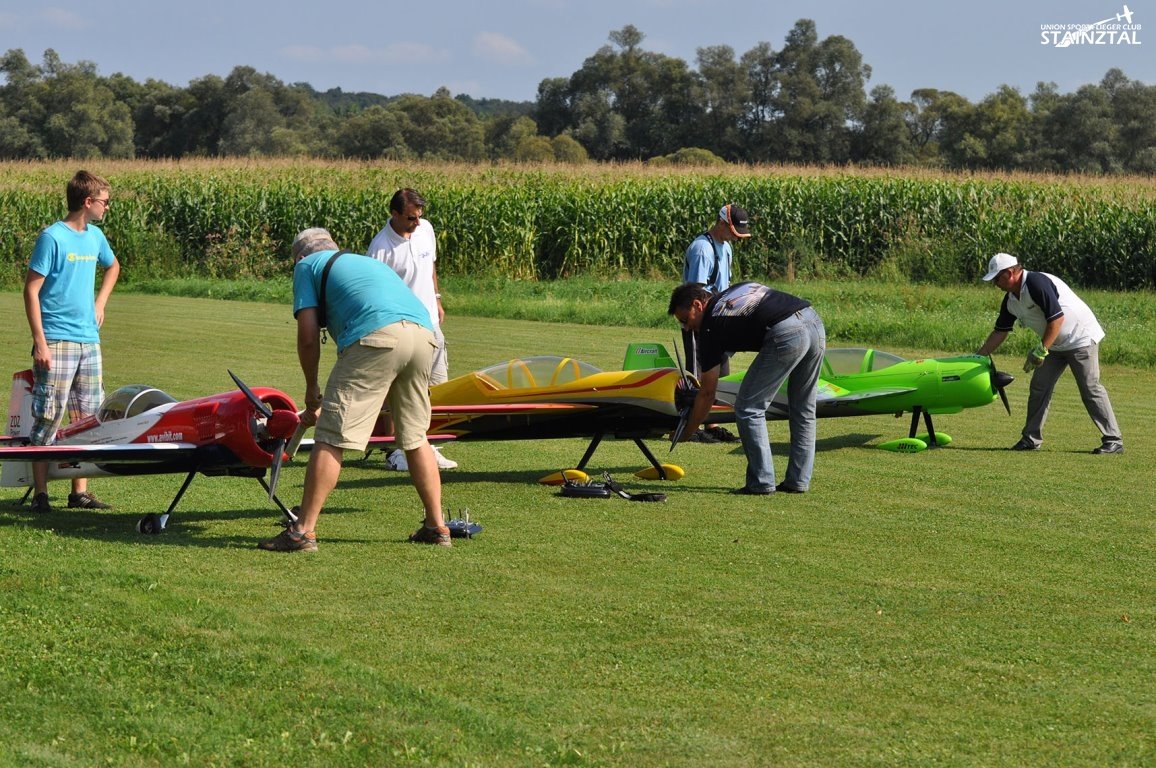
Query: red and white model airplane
140	430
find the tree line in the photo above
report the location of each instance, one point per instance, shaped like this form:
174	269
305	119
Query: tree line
805	103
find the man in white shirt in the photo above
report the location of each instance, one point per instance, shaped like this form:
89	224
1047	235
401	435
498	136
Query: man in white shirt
407	245
1069	338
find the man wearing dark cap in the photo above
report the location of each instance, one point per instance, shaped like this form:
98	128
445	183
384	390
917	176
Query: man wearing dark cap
385	346
1069	338
708	263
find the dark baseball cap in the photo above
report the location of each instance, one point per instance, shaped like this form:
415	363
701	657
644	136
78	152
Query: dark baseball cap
737	218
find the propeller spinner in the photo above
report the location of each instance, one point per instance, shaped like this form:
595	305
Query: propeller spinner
999	380
279	424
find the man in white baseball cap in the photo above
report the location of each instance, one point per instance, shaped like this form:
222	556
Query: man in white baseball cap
1069	337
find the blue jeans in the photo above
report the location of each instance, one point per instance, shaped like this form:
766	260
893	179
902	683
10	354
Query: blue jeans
792	352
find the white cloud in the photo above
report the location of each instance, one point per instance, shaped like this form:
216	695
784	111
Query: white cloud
500	49
62	19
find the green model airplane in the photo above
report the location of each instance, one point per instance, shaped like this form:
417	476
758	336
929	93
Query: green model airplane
864	382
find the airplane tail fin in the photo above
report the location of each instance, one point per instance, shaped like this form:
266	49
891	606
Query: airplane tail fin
642	356
14	474
20	404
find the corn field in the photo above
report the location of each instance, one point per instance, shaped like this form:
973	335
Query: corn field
235	219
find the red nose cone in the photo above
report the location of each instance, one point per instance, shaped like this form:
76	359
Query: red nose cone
283	424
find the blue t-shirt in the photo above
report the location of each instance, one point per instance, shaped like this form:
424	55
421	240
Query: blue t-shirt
708	263
68	260
361	295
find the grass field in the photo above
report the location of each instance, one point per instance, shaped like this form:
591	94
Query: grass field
966	606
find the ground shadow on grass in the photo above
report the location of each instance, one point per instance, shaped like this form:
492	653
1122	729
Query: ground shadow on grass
185	528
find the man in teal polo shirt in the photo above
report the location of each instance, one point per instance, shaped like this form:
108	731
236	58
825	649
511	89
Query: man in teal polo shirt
385	345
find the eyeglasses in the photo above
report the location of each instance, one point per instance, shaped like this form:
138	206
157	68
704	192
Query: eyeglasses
412	218
107	201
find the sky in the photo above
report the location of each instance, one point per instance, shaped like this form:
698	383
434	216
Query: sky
504	48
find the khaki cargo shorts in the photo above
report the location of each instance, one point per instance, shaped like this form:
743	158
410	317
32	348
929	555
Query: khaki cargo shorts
392	365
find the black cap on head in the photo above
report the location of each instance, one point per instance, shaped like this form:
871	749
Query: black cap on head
736	217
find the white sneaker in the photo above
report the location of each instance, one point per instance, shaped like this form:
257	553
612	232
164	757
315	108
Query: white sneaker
396	460
443	462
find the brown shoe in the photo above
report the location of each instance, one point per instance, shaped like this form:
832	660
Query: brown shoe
289	540
439	536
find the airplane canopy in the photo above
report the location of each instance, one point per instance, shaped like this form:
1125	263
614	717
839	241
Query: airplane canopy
540	371
852	360
132	400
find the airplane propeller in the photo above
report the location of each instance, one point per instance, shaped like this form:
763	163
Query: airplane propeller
684	393
279	424
999	380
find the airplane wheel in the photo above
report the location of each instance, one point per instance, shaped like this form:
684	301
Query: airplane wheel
149	524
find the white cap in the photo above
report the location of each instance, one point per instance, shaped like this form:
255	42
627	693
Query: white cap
999	263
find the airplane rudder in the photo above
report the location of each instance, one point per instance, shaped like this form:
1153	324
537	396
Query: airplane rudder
20	404
640	356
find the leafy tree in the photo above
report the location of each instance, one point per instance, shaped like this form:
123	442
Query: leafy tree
1133	107
552	109
822	94
251	123
760	65
689	156
654	100
1079	129
1001	123
376	132
503	135
943	121
726	94
439	128
534	149
883	137
567	150
62	110
599	128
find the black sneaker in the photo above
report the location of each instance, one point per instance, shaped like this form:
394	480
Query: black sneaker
1024	445
702	436
1109	448
721	434
40	503
744	491
784	488
86	501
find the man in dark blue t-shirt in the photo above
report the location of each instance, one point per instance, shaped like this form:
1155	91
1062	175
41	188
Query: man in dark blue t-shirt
790	340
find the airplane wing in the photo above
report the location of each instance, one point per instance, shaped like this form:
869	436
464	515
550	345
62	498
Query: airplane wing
844	396
511	409
98	454
307	444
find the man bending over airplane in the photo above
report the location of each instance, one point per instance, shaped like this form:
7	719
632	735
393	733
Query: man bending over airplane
385	345
790	340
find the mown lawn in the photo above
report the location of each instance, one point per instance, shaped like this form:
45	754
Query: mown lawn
965	606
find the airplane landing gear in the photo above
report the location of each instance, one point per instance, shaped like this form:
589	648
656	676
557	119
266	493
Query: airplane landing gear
152	524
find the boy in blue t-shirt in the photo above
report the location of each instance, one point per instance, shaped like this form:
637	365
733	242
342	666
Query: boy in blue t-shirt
65	321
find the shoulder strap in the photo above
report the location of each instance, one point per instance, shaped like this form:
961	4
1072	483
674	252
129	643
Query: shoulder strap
322	318
714	250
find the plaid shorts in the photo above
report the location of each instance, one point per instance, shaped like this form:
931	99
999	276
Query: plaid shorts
72	385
